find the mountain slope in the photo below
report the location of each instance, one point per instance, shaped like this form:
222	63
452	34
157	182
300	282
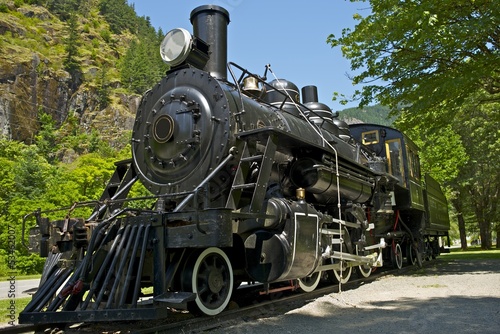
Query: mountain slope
372	114
64	64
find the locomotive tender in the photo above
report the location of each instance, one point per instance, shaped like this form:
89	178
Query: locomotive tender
250	185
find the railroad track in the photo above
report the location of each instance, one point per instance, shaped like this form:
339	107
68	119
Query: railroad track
245	309
275	305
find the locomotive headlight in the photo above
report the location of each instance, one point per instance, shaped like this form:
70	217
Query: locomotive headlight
176	46
179	47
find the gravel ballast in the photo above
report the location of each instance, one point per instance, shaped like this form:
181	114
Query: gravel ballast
446	296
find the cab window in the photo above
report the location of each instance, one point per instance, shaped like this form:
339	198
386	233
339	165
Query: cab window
394	153
370	137
413	164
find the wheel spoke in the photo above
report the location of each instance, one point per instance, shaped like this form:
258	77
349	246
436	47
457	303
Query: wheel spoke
212	281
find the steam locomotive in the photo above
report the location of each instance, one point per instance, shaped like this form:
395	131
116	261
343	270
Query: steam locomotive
249	183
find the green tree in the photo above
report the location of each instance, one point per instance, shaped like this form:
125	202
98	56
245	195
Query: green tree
103	89
142	66
435	63
139	70
119	15
85	7
7	183
31	173
71	45
480	177
46	138
10	151
62	8
426	53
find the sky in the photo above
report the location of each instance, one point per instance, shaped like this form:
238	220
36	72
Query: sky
289	35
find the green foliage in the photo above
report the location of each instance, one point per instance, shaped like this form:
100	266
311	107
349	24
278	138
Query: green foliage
28	182
427	53
7	183
441	151
77	39
31	173
479	180
435	64
119	15
142	66
85	7
71	62
106	35
91	175
29	264
138	190
103	89
71	137
139	69
62	8
46	139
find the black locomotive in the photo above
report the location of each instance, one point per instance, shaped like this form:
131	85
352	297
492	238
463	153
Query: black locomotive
250	185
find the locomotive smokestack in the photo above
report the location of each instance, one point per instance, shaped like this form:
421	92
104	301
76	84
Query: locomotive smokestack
210	25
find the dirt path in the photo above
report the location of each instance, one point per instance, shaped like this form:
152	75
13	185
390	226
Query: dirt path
456	296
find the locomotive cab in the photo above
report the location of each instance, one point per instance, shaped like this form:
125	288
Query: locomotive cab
420	205
402	161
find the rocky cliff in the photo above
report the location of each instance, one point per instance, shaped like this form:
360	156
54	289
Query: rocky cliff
33	79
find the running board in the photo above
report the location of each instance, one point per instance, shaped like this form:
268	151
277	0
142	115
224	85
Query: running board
175	297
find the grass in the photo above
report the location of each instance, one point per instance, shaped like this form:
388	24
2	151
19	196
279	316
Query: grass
6	307
19	303
20	277
471	254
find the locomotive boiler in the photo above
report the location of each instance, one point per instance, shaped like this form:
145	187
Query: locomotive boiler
253	180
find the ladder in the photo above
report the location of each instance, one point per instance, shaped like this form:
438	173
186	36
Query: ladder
259	186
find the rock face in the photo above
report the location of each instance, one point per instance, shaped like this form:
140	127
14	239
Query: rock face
32	81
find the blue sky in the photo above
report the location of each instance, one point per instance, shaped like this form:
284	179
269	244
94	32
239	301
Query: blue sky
289	35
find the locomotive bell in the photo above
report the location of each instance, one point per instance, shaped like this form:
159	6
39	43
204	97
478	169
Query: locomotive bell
300	193
251	85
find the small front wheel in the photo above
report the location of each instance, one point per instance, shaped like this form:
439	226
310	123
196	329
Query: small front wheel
210	276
